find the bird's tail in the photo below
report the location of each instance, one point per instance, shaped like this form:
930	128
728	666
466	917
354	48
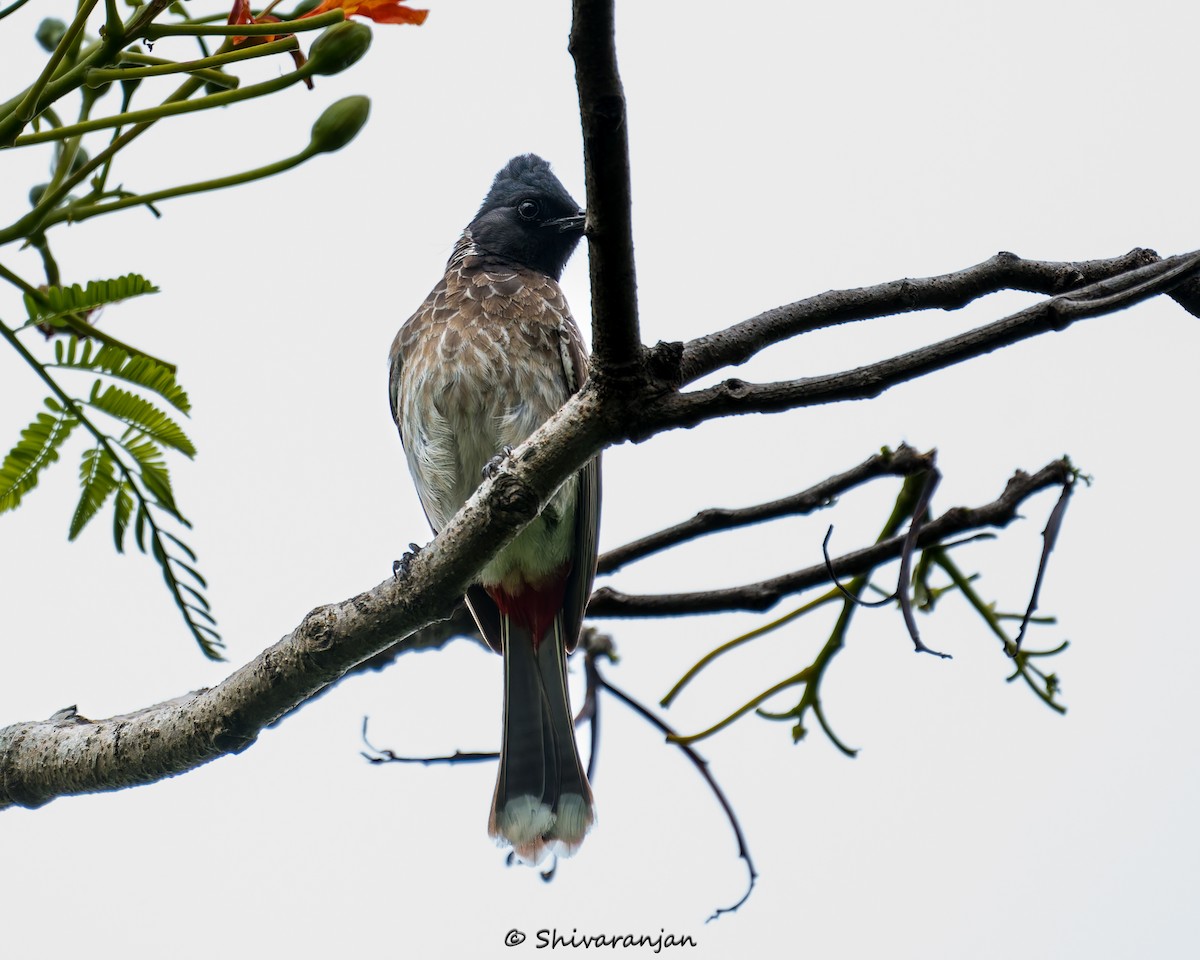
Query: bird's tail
543	803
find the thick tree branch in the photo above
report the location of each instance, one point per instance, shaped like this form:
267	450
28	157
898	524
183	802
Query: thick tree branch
607	602
633	395
70	754
1103	297
951	291
617	345
903	461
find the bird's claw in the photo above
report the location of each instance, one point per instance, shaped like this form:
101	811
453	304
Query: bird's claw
400	567
492	467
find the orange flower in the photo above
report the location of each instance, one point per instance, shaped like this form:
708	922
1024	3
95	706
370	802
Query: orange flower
241	14
381	11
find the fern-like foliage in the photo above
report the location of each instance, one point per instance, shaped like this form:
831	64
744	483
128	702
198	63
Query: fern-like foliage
97	477
112	361
141	414
59	302
122	511
126	465
36	450
152	471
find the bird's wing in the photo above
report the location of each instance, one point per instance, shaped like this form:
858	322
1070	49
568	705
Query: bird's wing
433	305
395	367
587	496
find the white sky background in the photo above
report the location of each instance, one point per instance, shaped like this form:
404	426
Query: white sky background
778	151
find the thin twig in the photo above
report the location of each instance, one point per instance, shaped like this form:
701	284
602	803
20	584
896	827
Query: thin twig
1049	539
387	756
843	590
962	582
903	591
702	766
902	461
764	594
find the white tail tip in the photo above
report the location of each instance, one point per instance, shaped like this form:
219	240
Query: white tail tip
534	830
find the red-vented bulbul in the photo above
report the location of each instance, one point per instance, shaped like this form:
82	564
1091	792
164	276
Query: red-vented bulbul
491	354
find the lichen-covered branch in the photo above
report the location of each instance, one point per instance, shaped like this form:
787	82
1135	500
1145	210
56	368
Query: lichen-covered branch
71	754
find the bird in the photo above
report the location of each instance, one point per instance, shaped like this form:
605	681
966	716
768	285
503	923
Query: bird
491	354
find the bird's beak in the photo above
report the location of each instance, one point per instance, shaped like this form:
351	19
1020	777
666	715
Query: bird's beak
572	224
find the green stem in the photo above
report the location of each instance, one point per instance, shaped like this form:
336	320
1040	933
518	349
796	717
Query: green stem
811	698
98	76
811	676
49	264
1021	657
963	583
156	31
76	214
74	322
11	124
744	638
801	677
32	221
151	114
100	181
114	29
68	402
161	67
156	532
65	81
141	25
27	109
70	150
12	8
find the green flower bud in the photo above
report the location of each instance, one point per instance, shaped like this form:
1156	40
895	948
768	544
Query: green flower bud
339	47
49	33
339	124
36	193
303	7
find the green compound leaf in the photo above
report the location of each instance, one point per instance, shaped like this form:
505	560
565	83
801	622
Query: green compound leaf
130	470
36	450
152	471
196	614
122	510
59	302
140	413
112	361
97	477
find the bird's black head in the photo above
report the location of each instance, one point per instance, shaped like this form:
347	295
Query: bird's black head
528	217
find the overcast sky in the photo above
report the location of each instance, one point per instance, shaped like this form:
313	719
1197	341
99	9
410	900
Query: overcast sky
778	151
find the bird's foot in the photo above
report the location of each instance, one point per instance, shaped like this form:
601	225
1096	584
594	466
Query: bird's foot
400	567
492	467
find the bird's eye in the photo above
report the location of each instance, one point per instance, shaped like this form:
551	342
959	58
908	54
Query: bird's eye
528	209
